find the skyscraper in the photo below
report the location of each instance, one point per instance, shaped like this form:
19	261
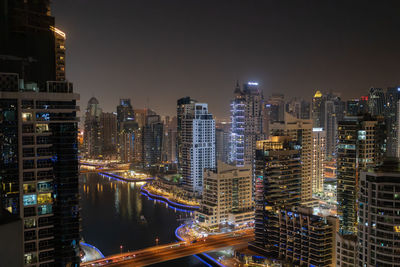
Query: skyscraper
327	111
361	145
169	140
283	230
39	167
301	133
152	140
318	110
278	182
92	133
246	118
376	102
333	112
299	108
125	127
109	134
318	160
392	120
180	110
197	132
38	131
60	38
355	107
276	104
222	142
379	215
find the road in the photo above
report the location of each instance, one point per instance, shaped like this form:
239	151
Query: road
176	250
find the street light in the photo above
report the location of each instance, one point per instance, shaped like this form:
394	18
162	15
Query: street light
120	247
157	241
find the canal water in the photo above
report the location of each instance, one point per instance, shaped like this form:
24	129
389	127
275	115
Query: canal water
116	214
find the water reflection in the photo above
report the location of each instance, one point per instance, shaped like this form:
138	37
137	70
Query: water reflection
111	217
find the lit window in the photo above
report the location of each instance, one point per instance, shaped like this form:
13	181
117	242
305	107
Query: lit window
45	209
44	199
26	116
42	128
29	188
29	200
30	258
29	223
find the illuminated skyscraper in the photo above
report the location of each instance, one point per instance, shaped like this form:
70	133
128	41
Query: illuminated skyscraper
361	145
152	140
276	104
38	137
169	140
60	38
318	110
392	120
246	118
92	133
284	230
109	134
183	104
125	127
301	133
39	167
197	131
222	142
376	102
379	215
318	160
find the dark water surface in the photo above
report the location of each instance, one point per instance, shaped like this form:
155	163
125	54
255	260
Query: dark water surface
111	217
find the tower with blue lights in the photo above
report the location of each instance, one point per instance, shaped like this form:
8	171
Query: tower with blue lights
246	118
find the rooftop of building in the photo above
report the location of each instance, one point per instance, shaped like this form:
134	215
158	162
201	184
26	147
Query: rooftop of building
391	165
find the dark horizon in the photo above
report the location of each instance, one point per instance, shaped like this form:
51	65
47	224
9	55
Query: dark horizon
155	51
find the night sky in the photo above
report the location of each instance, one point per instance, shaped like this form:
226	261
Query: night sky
156	51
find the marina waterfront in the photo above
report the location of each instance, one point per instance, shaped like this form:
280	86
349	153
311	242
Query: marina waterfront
117	217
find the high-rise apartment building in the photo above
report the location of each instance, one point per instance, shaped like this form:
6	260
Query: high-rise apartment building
301	133
183	106
355	107
125	130
227	197
169	140
109	134
197	133
327	111
318	110
283	230
392	120
39	167
346	250
299	108
379	216
222	142
276	107
38	137
334	112
92	133
152	140
361	145
60	38
318	160
246	118
376	102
